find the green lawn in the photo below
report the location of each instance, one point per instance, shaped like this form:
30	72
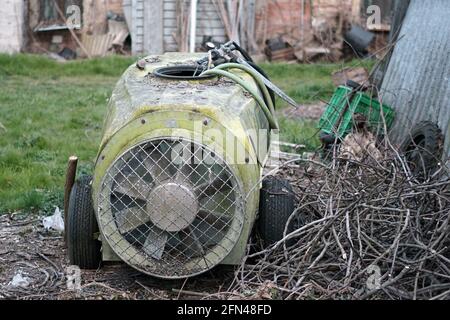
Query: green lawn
49	111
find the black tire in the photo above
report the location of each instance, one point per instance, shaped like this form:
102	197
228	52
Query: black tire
277	202
83	248
328	138
423	149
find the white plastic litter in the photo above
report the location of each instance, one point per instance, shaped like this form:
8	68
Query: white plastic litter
19	281
54	222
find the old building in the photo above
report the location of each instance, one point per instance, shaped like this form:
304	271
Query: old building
12	37
89	28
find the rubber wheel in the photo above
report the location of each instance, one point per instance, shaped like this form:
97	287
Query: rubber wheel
423	149
84	249
276	204
328	138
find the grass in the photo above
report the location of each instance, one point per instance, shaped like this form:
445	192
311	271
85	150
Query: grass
48	111
299	132
307	83
46	121
41	67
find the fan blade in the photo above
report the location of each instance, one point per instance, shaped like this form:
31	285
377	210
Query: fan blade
131	218
220	182
155	243
134	187
190	166
191	241
208	234
217	221
188	173
159	165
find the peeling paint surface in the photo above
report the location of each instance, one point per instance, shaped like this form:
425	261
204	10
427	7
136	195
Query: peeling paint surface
139	91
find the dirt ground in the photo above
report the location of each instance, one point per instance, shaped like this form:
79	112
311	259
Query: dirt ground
39	256
308	111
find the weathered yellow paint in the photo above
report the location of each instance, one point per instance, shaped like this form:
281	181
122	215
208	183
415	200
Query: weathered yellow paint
143	107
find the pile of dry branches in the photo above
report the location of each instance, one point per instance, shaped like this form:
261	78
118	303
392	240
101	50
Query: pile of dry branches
363	230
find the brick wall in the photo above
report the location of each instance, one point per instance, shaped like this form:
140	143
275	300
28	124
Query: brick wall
284	17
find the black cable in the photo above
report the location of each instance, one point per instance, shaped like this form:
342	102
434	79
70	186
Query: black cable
257	68
243	52
260	70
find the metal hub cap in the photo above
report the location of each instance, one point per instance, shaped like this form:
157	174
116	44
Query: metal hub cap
172	207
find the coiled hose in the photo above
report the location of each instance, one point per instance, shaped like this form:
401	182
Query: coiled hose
269	111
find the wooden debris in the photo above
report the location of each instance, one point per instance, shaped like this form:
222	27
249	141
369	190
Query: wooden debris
359	146
282	54
191	293
74	35
98	45
382	27
119	30
278	49
311	52
353	218
70	180
315	29
181	36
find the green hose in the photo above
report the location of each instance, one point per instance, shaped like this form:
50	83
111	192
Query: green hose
267	112
257	79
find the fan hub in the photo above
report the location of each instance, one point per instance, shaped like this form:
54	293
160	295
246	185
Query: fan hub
172	207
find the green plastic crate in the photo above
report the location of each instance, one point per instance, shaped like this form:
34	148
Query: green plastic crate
360	103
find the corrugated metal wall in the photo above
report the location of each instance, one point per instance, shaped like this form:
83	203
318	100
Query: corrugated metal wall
137	29
146	19
208	23
170	25
417	80
144	42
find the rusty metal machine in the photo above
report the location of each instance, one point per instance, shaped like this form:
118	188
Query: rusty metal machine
176	186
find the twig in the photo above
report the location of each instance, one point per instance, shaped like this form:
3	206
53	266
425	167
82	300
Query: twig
189	293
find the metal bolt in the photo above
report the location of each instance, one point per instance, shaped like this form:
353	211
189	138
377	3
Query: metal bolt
143	121
210	45
205	122
247	160
141	64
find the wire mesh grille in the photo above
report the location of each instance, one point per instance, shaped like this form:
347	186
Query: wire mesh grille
171	208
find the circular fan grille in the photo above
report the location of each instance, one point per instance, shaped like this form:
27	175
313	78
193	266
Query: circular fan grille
171	208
